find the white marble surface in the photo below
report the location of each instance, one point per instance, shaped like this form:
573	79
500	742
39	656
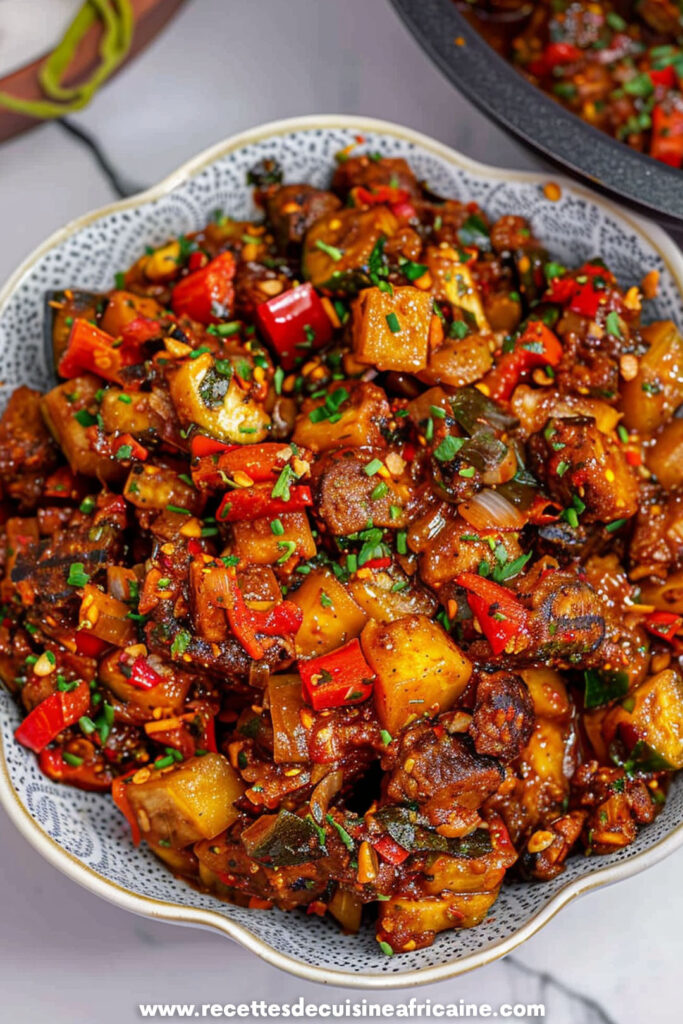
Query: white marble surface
65	955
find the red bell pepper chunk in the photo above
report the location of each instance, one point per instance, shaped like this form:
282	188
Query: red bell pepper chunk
64	484
663	76
536	346
206	295
553	56
282	620
137	451
201	445
664	625
88	645
90	350
341	677
260	462
140	330
52	763
197	260
294	323
143	675
499	613
404	211
579	295
119	796
54	714
257	502
390	851
667	135
209	740
377	563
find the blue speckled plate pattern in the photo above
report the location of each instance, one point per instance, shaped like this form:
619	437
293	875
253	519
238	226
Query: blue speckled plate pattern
83	834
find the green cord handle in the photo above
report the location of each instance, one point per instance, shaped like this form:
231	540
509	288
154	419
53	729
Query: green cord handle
118	22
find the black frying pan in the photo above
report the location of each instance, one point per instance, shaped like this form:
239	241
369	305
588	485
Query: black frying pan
499	90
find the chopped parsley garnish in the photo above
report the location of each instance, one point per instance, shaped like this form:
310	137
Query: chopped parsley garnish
330	250
77	577
612	324
85	418
329	410
448	448
281	488
372	467
181	642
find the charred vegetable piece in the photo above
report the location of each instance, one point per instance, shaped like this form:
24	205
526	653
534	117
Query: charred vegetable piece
283	840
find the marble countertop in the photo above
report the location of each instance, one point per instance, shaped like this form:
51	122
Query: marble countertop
611	958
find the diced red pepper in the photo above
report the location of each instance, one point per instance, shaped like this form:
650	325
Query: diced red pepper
88	645
201	445
336	679
209	740
137	451
294	323
65	485
197	260
397	199
283	619
499	613
206	295
536	346
667	135
83	776
143	675
664	625
380	194
257	502
553	56
90	350
377	563
54	714
140	330
663	76
581	296
179	738
390	851
260	462
119	795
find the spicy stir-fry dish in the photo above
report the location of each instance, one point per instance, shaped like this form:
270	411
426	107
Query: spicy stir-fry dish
347	553
617	65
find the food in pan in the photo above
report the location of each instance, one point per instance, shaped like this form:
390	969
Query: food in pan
619	66
347	553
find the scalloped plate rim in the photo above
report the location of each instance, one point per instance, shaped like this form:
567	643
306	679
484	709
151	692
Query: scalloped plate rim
196	917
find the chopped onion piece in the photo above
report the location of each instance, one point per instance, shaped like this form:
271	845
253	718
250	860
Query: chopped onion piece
489	510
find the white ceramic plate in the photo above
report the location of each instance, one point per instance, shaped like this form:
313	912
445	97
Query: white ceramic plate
82	834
